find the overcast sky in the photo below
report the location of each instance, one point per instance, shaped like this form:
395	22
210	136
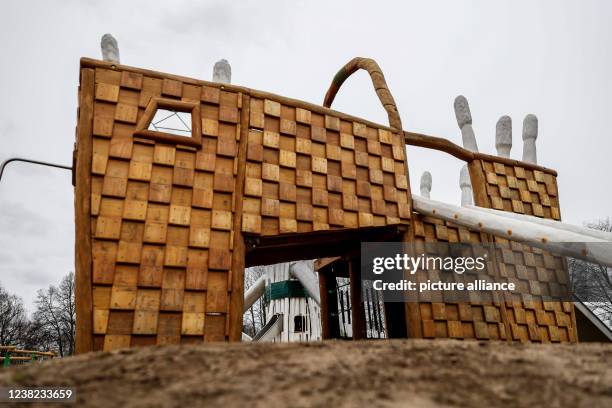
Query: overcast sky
550	58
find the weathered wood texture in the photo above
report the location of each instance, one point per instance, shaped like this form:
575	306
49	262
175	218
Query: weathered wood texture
443	319
167	213
311	172
523	189
161	215
82	210
160	223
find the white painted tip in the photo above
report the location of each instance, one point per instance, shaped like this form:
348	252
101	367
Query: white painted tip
222	72
426	183
530	127
110	48
462	111
503	136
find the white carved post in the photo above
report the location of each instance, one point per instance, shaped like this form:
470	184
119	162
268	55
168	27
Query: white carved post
425	184
466	186
464	120
110	48
530	134
222	72
503	136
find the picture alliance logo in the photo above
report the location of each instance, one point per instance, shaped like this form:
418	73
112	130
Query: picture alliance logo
412	264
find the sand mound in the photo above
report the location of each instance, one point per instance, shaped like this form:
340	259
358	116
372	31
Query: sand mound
417	373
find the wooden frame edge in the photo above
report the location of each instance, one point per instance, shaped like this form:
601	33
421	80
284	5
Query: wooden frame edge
82	202
239	251
196	122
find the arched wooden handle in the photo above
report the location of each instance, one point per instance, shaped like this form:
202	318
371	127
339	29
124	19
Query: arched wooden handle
378	80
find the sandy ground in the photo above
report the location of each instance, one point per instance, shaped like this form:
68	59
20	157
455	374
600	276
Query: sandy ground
406	373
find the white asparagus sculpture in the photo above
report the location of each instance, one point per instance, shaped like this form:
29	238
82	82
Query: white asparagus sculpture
530	134
464	120
503	136
425	186
110	48
466	186
222	72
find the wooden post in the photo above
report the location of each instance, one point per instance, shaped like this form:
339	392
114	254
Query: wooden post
239	250
479	183
357	312
323	293
330	328
82	215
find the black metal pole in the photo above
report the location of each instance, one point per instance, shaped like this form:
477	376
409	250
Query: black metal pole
41	163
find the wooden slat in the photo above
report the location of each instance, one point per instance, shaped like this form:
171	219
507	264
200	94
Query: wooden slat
83	278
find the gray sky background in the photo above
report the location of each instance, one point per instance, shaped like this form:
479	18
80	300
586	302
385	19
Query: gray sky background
550	58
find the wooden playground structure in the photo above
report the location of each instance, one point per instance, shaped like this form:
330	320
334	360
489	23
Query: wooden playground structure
167	223
11	355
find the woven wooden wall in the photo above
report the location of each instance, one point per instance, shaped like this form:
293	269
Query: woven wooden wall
307	171
161	216
516	188
160	254
460	320
162	260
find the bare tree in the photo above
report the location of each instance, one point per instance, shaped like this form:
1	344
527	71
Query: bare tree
254	318
13	319
592	283
55	316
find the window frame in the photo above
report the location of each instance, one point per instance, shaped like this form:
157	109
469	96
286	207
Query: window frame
142	128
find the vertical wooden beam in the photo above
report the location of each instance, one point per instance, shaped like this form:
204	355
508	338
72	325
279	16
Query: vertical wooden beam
237	279
479	183
330	325
357	312
82	214
412	311
324	294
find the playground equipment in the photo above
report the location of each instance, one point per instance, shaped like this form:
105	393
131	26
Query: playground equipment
11	355
292	297
169	215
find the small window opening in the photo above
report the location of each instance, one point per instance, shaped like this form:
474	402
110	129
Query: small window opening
171	121
299	324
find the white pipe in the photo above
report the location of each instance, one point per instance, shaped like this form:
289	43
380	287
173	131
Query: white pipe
552	239
464	120
254	292
246	337
307	278
606	236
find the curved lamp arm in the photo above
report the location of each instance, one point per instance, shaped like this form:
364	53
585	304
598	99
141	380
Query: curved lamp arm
42	163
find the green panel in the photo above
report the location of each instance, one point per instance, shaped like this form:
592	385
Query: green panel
285	289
